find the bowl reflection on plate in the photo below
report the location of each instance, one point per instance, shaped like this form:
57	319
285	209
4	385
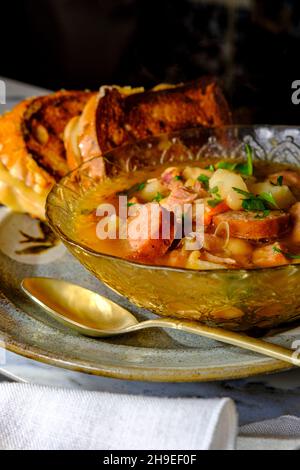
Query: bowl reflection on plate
233	299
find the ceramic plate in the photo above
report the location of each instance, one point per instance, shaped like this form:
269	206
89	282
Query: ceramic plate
28	248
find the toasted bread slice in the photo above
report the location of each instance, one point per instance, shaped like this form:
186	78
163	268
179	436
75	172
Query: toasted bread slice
121	114
32	153
44	125
120	119
80	135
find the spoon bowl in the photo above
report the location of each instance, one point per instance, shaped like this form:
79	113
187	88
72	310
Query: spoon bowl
83	310
93	315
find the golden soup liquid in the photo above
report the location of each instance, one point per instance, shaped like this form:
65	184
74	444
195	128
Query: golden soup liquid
223	249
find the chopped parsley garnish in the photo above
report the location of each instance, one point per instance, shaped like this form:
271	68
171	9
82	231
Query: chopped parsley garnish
210	167
129	204
204	180
263	214
214	202
253	205
141	186
215	190
158	197
261	202
134	189
217	197
269	198
279	180
243	193
245	169
178	178
227	166
286	254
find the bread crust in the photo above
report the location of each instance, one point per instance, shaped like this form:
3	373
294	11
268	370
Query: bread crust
44	124
122	119
32	152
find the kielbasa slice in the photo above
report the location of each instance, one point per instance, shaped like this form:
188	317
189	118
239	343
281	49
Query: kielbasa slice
146	235
295	214
251	226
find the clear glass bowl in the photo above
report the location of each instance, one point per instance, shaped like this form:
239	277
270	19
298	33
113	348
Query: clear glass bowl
233	299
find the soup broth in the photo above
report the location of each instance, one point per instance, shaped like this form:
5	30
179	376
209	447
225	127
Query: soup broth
250	215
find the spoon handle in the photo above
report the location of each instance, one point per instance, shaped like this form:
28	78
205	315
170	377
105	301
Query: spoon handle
230	337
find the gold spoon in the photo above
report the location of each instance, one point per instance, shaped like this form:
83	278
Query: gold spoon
93	315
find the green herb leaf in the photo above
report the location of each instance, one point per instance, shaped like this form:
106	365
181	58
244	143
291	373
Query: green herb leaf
291	256
134	189
158	197
263	215
245	169
279	180
214	202
269	198
277	250
129	204
141	186
227	166
261	202
286	254
244	193
249	153
178	178
210	167
215	192
253	205
204	180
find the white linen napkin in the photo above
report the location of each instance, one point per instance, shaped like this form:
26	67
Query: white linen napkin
282	433
42	418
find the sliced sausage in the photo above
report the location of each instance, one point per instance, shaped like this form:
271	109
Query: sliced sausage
210	212
147	238
248	225
295	213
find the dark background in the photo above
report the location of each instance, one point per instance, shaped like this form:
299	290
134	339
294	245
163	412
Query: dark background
252	46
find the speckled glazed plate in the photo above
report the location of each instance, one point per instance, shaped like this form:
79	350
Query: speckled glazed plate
28	248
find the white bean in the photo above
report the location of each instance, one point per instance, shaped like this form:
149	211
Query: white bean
193	173
225	181
151	189
282	194
238	247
